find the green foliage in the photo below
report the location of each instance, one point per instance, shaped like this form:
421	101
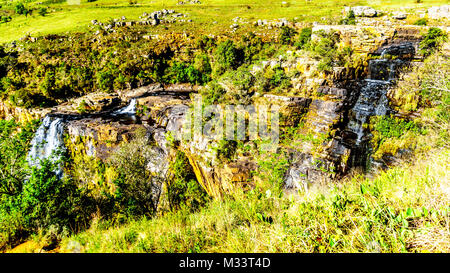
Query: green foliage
390	127
350	19
48	201
274	79
184	73
5	19
206	43
45	202
239	85
135	185
325	49
432	40
60	69
203	65
184	192
225	150
421	22
213	93
252	45
21	9
305	38
272	170
286	36
14	144
227	56
43	11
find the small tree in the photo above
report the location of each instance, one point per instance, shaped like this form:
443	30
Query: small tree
21	9
137	190
43	11
432	40
286	35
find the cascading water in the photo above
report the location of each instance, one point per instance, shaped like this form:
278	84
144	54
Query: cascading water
130	109
47	141
372	100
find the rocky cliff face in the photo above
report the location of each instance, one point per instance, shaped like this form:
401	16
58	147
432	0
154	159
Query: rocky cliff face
335	117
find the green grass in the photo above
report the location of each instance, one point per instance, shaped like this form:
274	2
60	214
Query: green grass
65	18
405	209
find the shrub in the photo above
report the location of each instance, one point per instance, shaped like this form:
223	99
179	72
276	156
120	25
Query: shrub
432	40
252	46
187	73
421	22
273	79
350	19
305	38
184	192
43	11
5	19
389	127
227	56
326	50
239	85
206	43
135	186
21	9
225	150
286	35
213	93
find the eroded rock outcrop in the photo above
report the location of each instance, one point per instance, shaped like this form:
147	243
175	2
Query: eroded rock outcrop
331	117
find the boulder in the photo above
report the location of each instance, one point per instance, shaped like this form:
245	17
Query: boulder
441	12
399	15
362	11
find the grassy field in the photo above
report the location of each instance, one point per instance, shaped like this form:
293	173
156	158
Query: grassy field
63	17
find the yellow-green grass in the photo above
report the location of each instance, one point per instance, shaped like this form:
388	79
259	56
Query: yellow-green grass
405	209
63	17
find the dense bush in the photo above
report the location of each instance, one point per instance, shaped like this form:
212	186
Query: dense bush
252	45
350	19
273	79
286	36
184	192
305	38
213	93
227	56
239	85
135	185
326	49
432	40
394	128
421	22
14	144
187	73
5	19
43	11
21	9
206	44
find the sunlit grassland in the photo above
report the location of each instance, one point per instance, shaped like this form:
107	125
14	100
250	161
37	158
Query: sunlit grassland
63	17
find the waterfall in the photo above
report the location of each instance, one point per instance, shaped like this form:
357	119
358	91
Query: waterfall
372	99
130	109
47	140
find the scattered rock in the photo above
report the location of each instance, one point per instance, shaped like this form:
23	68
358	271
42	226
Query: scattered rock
400	15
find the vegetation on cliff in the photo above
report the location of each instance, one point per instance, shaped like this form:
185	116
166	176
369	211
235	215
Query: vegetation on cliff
138	189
